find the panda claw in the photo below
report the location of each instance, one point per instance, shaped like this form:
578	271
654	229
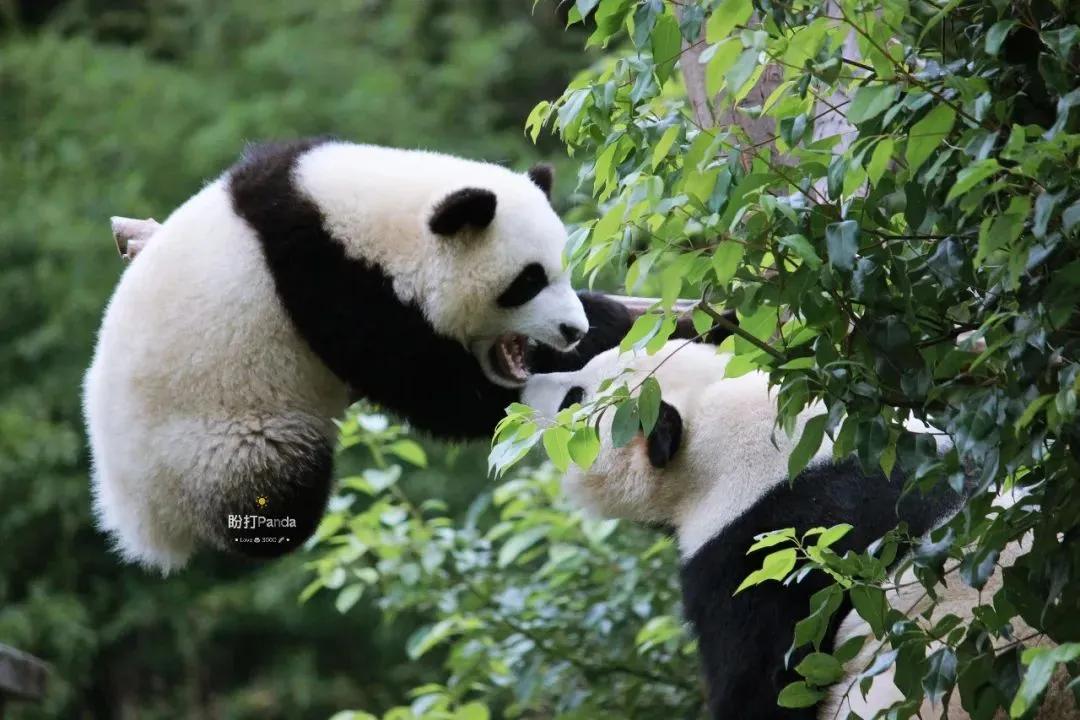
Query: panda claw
131	234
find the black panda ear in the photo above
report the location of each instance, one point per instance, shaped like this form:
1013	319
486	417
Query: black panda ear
666	436
468	207
543	176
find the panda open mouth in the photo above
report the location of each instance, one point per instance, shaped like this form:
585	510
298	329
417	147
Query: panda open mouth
509	357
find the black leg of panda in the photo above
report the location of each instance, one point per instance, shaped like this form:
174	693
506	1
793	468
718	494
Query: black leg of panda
278	507
666	436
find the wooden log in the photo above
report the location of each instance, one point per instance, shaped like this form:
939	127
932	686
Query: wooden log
22	676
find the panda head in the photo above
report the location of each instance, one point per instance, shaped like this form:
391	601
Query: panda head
647	479
712	452
498	283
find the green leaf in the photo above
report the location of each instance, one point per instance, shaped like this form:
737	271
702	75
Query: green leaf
556	440
666	42
808	444
870	101
940	674
663	145
427	637
850	649
739	75
832	535
725	260
870	603
802	247
799	695
409	451
842	242
776	566
820	669
771	539
348	597
472	711
996	35
720	60
625	424
535	122
970	176
879	161
584	446
1029	413
724	18
649	403
520	542
641	332
927	135
1041	662
606	226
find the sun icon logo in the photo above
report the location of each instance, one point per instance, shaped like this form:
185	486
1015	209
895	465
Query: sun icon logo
262	501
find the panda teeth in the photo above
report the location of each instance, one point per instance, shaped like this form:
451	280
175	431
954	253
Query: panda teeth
512	354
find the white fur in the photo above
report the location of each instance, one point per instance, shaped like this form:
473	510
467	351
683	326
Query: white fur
198	373
727	460
452	280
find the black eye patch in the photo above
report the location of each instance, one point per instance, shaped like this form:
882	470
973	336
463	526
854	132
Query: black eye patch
573	395
525	287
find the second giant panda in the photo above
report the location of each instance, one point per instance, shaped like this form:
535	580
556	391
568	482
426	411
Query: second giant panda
308	273
714	469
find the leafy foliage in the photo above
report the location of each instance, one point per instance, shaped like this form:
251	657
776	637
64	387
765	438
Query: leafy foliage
533	609
902	242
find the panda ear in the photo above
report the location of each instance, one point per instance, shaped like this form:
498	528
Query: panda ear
543	176
468	207
666	436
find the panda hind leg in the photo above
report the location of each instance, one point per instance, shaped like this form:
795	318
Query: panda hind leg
277	484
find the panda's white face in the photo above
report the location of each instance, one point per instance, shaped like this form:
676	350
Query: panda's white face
475	245
510	289
625	482
727	456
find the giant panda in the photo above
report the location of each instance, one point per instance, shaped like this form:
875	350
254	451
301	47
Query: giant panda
714	469
311	272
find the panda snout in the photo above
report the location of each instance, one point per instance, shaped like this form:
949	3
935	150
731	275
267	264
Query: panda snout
570	333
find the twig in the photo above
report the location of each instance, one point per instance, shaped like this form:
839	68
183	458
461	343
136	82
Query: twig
734	329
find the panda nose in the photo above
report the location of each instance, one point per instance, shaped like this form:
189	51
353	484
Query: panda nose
570	333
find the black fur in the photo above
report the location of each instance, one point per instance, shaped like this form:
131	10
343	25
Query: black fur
347	311
574	395
295	489
665	437
544	177
468	207
743	638
527	285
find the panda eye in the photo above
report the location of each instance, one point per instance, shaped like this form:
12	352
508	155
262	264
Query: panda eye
574	395
525	286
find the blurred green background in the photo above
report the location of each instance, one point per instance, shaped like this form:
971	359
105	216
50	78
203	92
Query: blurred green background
126	107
